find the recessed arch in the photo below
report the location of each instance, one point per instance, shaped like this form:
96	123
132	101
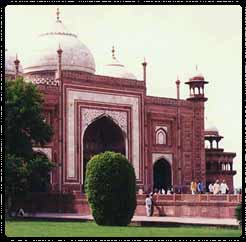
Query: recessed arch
162	174
103	134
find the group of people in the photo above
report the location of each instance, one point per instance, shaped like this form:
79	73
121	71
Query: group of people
196	188
161	191
216	188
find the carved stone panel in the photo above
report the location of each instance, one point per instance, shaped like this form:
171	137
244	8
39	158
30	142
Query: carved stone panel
90	115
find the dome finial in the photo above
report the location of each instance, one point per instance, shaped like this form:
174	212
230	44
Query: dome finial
113	51
196	67
58	15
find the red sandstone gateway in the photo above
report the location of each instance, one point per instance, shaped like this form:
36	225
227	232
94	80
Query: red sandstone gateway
163	138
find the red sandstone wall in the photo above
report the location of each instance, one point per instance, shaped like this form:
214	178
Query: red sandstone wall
177	205
157	111
191	164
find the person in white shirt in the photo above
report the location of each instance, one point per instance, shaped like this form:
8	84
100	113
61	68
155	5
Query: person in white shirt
216	187
210	188
223	187
163	191
148	204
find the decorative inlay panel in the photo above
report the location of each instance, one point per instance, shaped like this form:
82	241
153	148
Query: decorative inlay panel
166	156
119	117
89	115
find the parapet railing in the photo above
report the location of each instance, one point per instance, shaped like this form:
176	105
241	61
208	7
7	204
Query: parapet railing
234	198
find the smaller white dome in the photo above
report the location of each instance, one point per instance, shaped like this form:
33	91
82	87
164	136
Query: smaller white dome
9	63
117	69
212	128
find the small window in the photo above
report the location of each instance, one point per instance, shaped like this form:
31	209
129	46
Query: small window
161	137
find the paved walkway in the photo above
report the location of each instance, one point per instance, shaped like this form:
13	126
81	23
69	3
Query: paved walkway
231	222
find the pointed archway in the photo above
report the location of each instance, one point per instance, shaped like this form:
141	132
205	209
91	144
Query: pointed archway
100	136
162	174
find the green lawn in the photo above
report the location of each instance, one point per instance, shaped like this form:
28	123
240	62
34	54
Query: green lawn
15	228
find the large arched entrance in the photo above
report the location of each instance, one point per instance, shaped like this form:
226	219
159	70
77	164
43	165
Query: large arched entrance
102	135
162	174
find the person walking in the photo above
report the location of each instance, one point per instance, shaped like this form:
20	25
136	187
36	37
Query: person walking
148	205
193	187
200	187
216	187
223	187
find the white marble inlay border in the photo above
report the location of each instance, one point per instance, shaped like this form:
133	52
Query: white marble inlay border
166	156
74	95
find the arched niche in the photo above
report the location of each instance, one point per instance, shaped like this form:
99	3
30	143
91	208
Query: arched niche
103	134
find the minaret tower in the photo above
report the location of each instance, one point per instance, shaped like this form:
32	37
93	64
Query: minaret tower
197	97
144	71
196	85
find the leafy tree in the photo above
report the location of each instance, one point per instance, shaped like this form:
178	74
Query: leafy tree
25	171
24	123
38	176
16	178
110	185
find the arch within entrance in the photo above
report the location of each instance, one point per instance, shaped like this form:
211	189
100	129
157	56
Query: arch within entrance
162	174
102	135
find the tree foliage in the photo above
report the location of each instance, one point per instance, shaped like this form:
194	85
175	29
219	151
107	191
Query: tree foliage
24	123
39	167
25	170
16	175
111	188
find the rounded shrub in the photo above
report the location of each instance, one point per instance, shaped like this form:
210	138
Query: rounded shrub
110	185
238	213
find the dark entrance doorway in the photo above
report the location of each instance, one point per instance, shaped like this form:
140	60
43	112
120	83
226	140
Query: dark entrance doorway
162	175
102	135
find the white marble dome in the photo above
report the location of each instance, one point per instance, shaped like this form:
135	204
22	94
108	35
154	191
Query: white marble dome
9	63
212	128
75	57
117	69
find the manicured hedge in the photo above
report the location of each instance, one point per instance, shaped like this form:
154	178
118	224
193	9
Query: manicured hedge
111	188
238	213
